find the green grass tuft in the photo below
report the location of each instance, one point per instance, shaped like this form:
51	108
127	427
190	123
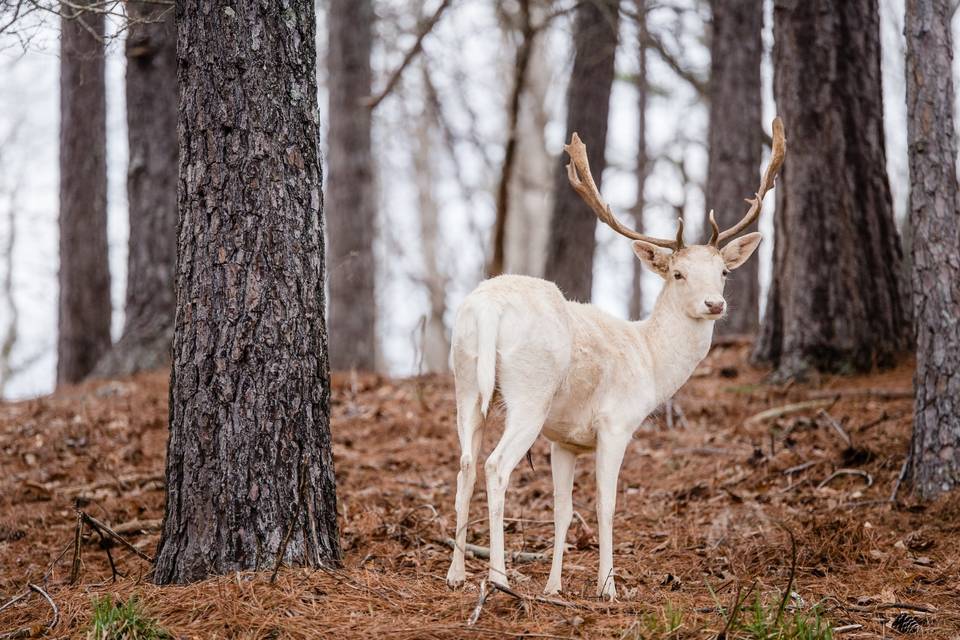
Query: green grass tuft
123	621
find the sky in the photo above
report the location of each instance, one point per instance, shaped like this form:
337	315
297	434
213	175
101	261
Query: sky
467	62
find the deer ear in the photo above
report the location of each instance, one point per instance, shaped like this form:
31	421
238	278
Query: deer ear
739	250
656	258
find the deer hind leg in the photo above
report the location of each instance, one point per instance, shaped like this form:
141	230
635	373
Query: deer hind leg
562	463
470	431
524	420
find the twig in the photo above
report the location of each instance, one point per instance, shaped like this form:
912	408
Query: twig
793	573
801	467
372	102
836	426
847	627
881	394
15	599
484	552
900	478
847	472
795	407
102	528
77	550
484	594
56	612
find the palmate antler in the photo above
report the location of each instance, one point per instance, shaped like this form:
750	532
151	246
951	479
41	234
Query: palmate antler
578	172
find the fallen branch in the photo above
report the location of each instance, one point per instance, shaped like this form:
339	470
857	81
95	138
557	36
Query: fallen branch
836	426
900	479
139	526
801	467
484	552
881	394
482	600
847	627
787	409
847	472
102	528
56	612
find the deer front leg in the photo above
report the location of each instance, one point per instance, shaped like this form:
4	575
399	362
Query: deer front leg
610	450
562	462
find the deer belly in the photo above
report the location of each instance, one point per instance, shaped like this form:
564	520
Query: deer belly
577	436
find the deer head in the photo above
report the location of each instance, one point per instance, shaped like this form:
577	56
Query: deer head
694	275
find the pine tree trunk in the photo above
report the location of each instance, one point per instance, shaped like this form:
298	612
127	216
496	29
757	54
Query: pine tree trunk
935	217
249	465
837	303
151	49
351	198
84	307
635	306
572	242
736	143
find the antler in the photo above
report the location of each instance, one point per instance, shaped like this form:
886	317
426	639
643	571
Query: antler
779	150
578	172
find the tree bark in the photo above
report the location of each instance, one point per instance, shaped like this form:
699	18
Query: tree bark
735	144
151	50
572	242
635	306
837	303
84	298
350	194
935	217
249	466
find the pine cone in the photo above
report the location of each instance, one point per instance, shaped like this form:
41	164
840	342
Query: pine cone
905	623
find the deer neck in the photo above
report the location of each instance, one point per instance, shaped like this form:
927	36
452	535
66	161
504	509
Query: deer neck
676	342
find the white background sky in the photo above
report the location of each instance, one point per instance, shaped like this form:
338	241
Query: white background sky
469	66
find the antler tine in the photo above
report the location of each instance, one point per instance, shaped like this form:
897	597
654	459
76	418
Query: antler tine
715	234
779	150
578	173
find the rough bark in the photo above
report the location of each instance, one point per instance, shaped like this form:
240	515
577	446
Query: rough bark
837	303
635	306
151	50
249	466
735	141
572	242
351	198
935	217
84	298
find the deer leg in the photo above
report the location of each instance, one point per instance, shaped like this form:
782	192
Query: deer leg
562	462
522	429
610	450
470	431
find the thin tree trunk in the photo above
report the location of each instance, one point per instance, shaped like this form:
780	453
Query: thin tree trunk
735	145
531	183
435	344
572	242
249	466
838	302
935	218
636	289
84	302
351	198
151	192
521	64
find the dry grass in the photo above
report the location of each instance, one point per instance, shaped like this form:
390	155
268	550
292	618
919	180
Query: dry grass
702	513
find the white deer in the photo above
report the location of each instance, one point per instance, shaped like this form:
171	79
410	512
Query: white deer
583	378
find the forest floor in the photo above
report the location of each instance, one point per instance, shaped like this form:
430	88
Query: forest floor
707	509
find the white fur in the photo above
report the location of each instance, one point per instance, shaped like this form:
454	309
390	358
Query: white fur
580	376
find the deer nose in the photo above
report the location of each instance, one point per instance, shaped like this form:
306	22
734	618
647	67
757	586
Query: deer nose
715	307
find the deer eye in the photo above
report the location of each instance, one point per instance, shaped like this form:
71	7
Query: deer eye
677	275
726	272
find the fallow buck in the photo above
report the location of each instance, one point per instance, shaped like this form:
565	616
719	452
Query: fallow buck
583	378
